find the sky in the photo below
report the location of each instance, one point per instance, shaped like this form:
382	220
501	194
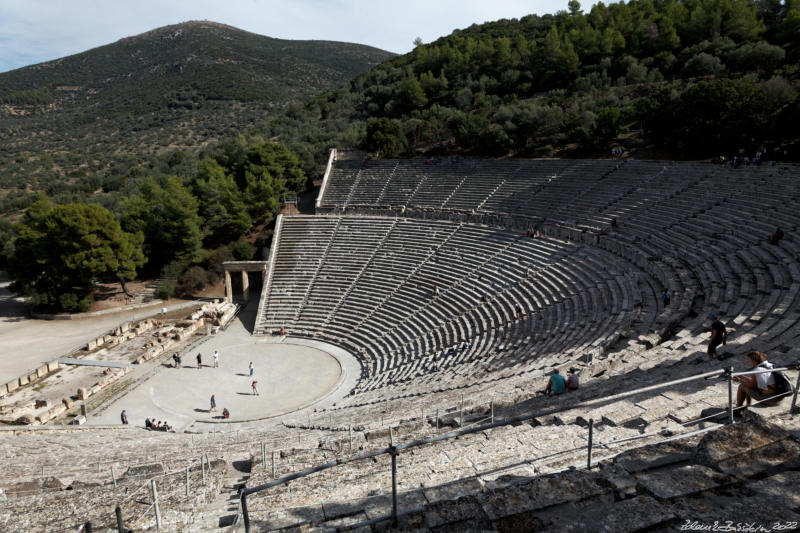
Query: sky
33	31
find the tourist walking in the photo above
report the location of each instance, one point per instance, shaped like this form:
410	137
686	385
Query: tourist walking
199	361
124	417
216	359
255	388
213	403
718	336
251	369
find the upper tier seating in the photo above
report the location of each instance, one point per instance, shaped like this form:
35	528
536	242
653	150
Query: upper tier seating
509	305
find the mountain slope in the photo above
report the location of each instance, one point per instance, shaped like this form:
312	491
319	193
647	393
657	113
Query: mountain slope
85	120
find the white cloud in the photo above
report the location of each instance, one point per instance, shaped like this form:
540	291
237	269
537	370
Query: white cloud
32	31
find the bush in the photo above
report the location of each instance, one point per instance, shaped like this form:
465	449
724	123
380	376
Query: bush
191	281
165	289
703	65
242	250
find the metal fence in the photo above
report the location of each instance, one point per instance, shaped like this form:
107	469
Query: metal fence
394	449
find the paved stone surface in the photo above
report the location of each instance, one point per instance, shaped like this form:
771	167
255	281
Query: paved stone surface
291	376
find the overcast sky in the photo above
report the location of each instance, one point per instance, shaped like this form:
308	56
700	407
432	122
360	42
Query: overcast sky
32	31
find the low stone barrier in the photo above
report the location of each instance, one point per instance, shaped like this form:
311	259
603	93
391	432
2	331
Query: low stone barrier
29	377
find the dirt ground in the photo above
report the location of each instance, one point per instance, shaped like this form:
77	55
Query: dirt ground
111	296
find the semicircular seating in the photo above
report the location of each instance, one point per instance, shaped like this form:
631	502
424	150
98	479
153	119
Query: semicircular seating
389	233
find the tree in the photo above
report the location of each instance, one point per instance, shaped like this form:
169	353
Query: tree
607	125
384	136
168	217
221	205
60	250
270	170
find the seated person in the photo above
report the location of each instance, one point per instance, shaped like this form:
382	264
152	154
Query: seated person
755	386
573	381
556	385
148	424
226	413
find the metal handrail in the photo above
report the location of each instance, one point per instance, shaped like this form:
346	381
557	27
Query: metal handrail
393	449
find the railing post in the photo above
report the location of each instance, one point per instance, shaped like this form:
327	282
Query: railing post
461	413
350	430
203	469
245	514
264	455
113	476
273	465
120	524
87	527
155	503
793	408
208	463
437	419
589	449
729	372
187	481
491	409
393	453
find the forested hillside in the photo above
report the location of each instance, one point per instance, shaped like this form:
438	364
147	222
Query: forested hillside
669	78
99	121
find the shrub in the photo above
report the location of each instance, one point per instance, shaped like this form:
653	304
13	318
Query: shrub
242	250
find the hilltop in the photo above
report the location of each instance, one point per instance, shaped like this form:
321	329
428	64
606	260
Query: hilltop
662	79
85	123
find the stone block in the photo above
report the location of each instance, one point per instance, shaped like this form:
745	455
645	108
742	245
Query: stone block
656	456
78	420
26	420
23	380
682	481
41	404
287	518
67	402
91	345
12	386
95	389
33	377
56	410
83	393
540	493
746	450
641	513
782	488
464	510
41	371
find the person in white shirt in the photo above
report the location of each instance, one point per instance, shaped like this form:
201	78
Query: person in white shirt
755	386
